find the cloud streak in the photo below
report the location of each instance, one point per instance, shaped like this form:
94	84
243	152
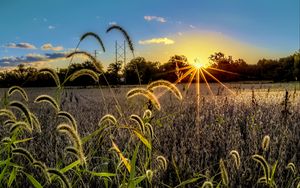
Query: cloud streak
165	41
155	18
30	58
23	45
49	46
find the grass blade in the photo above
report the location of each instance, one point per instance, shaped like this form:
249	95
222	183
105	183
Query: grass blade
123	159
70	166
12	176
189	181
143	139
33	181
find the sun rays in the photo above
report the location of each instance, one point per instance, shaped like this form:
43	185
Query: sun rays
198	72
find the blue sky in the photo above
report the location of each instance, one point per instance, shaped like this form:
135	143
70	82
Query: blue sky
40	32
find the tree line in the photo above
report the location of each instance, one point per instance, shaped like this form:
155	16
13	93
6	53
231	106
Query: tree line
141	71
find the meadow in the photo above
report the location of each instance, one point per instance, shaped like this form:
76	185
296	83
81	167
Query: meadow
103	137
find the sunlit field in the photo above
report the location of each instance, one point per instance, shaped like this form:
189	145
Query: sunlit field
241	137
149	94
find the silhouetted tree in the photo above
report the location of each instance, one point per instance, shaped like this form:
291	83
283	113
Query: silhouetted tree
296	72
147	71
283	69
113	73
171	70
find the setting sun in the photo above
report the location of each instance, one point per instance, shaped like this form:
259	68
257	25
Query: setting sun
198	64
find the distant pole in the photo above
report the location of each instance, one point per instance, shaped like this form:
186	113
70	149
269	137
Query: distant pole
120	52
116	47
124	53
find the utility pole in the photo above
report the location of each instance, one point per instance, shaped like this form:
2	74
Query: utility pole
120	55
120	52
96	52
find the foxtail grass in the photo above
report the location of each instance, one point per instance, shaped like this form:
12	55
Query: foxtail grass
18	89
8	140
149	175
84	72
9	122
8	113
139	122
224	174
48	99
72	150
147	114
40	165
96	64
108	118
69	117
207	184
23	152
20	125
150	130
146	93
162	162
94	35
236	157
125	34
53	74
262	161
265	143
75	138
35	122
61	177
43	168
291	166
20	106
83	53
165	84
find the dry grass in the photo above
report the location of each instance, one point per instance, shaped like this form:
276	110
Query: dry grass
227	123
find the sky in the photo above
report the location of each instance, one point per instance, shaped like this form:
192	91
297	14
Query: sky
40	33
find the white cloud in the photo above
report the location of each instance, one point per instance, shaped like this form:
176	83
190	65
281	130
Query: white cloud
9	58
155	18
112	23
164	40
35	57
24	45
51	27
48	46
192	26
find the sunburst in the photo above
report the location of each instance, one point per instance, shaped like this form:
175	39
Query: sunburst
198	71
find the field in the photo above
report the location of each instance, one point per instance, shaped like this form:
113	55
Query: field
248	138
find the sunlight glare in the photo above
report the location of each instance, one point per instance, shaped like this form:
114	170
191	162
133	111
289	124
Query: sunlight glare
199	64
